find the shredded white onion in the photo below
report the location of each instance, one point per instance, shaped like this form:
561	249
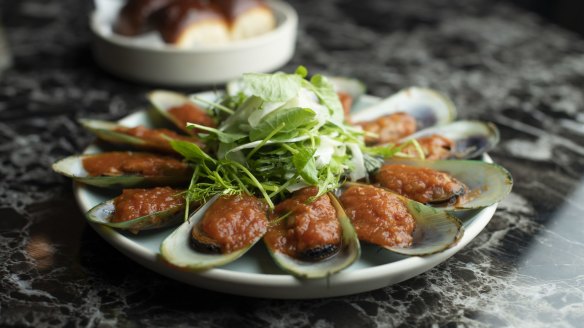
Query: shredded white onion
325	151
359	171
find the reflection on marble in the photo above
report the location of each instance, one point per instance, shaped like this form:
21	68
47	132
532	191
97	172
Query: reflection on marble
497	62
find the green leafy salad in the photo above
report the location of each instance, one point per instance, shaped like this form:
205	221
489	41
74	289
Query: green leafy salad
278	133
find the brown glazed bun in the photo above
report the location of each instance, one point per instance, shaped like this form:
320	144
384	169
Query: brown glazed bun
135	17
247	18
185	23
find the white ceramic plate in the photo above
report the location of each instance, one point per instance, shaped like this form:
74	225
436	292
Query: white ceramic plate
256	275
148	59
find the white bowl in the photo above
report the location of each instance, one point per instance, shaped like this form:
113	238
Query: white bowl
148	60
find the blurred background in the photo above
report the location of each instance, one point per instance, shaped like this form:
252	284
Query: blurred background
566	13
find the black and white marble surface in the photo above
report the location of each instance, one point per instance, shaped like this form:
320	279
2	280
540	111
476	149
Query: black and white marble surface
497	62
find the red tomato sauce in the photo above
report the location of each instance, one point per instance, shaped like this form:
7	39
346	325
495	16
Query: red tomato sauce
434	147
234	222
191	113
309	225
389	128
156	139
421	184
145	164
135	203
379	217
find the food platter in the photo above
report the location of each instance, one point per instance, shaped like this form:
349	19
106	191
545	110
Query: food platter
255	274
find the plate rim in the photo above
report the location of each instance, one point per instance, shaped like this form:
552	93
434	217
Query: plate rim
285	286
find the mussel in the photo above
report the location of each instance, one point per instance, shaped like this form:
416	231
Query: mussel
311	238
421	184
352	87
469	139
124	169
396	223
140	209
349	91
180	110
409	110
448	184
218	233
138	137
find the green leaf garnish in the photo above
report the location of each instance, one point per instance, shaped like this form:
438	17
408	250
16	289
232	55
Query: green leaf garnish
222	136
190	151
273	87
280	132
305	165
326	93
291	118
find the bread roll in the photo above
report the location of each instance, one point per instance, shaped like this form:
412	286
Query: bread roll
187	23
135	16
247	18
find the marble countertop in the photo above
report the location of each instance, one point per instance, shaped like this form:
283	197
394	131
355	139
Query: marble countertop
496	62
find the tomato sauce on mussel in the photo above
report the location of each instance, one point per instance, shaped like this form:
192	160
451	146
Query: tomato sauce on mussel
421	184
434	147
389	128
229	224
145	164
135	203
308	228
155	139
347	102
191	113
379	217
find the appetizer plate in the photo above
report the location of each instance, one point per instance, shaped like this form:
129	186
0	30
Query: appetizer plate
147	59
255	274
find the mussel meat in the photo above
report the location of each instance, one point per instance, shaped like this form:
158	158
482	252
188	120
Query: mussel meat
397	223
140	209
308	230
231	223
311	237
448	184
404	113
220	232
422	184
124	169
178	109
457	140
138	137
433	146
